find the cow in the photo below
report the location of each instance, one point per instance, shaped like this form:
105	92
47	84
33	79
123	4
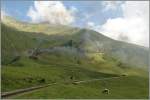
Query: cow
105	91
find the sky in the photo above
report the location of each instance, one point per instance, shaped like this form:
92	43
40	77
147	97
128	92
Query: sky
120	20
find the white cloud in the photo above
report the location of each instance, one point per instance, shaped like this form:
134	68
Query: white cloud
133	27
111	5
53	12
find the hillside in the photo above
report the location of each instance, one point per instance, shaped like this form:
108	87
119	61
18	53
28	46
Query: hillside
63	52
87	40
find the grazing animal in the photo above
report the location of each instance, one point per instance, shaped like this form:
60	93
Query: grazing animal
105	91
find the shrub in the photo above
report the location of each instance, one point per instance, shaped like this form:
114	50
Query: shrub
42	80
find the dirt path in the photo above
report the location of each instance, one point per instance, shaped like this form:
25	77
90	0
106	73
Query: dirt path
15	92
95	80
20	91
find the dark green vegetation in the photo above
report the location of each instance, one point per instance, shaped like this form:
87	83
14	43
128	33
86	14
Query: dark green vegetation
65	52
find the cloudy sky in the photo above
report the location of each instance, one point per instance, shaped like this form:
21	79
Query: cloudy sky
121	20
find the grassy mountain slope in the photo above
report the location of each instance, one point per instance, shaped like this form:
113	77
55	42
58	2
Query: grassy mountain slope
87	40
81	53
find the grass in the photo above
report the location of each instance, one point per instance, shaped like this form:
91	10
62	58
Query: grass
121	88
16	77
19	75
